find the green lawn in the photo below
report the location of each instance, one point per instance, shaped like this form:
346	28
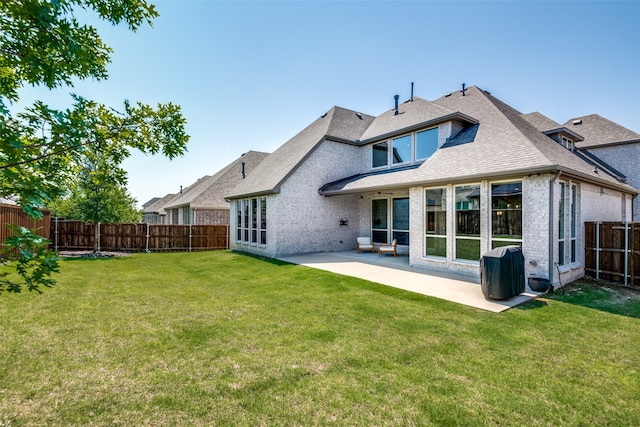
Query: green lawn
220	338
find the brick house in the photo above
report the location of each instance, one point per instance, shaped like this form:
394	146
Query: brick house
203	203
153	210
450	179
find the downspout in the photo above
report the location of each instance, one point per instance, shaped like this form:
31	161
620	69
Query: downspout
551	222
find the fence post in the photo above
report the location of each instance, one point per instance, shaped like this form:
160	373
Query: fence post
228	236
189	237
98	235
598	250
626	251
55	234
147	244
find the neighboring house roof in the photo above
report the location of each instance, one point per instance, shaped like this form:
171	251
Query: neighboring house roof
150	202
159	204
598	131
337	124
209	191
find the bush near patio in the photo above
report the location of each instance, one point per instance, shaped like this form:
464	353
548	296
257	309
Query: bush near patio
221	338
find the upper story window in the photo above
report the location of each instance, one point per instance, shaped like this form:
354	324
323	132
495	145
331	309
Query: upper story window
426	143
409	148
401	149
567	143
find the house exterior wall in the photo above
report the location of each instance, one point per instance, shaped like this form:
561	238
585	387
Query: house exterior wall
299	220
625	159
211	216
535	232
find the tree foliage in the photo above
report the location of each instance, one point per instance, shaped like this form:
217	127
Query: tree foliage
42	149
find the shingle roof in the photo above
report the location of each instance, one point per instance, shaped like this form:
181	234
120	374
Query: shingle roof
209	191
596	131
338	123
158	205
505	144
541	122
409	114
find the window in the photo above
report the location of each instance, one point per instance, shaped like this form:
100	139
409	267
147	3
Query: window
254	220
561	220
506	214
251	220
245	223
380	155
566	143
468	222
436	216
426	143
239	220
186	218
400	220
263	220
405	149
401	149
379	227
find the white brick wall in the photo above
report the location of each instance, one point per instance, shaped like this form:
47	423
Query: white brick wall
625	158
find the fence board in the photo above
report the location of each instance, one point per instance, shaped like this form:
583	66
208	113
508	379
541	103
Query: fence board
76	235
14	215
612	252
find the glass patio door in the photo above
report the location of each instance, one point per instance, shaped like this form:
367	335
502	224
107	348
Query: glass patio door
397	217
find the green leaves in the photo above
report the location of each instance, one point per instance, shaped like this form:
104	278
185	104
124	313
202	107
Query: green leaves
43	150
29	255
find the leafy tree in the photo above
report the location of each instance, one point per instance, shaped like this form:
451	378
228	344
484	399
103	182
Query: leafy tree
41	149
98	193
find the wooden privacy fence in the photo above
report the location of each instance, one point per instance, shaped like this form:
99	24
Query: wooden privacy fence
77	235
14	215
612	252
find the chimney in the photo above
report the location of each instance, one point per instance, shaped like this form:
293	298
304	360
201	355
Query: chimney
243	174
396	99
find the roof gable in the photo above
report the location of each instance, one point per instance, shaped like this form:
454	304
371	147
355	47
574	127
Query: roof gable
209	191
596	131
338	123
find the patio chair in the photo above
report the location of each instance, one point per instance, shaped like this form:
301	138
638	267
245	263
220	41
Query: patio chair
386	248
364	244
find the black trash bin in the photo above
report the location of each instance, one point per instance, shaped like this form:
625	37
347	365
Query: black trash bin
502	272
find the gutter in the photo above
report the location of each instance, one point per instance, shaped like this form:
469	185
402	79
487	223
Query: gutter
552	182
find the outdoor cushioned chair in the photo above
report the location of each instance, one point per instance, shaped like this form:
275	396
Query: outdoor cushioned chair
386	248
364	244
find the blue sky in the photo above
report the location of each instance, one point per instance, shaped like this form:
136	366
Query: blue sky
250	75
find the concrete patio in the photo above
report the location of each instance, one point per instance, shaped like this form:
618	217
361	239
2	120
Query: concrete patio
396	272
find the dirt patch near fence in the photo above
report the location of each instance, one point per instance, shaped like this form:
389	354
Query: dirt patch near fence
91	254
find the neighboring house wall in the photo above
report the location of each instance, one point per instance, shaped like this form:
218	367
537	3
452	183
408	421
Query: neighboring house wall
211	216
625	158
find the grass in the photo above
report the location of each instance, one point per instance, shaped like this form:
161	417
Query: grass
221	338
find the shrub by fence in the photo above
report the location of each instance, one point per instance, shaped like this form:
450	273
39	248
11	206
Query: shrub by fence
77	235
612	252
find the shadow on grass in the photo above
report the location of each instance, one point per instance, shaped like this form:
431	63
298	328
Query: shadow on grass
601	296
273	261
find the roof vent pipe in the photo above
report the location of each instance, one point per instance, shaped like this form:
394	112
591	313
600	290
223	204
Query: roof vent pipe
396	97
181	189
411	91
464	89
243	174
